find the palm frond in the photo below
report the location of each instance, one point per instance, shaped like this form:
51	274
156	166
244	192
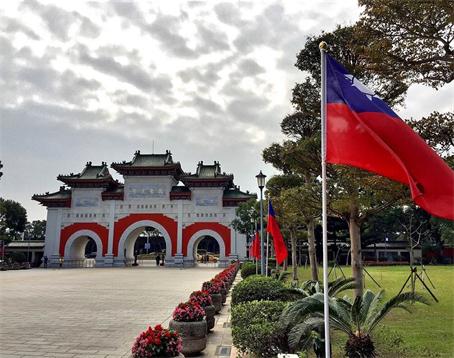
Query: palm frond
374	306
297	311
341	284
284	275
396	301
367	299
300	336
355	312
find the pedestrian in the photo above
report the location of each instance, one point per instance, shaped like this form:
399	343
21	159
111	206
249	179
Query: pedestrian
45	261
158	260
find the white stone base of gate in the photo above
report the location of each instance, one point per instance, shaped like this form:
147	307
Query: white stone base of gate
108	260
54	261
178	260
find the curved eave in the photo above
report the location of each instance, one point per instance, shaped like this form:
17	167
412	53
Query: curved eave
53	202
226	201
87	183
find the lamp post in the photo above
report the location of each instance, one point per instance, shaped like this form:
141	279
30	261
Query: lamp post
261	184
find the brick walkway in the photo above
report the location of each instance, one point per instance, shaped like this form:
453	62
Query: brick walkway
87	313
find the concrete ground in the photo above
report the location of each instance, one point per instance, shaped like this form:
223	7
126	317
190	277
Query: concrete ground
88	312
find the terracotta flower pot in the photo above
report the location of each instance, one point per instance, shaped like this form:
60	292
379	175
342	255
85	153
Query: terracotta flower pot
193	334
210	311
216	298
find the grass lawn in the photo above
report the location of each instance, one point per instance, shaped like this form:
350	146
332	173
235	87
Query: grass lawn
427	332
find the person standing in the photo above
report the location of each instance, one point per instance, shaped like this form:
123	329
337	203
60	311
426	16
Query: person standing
158	260
45	261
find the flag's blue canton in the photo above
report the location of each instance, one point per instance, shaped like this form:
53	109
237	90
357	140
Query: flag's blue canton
342	87
271	210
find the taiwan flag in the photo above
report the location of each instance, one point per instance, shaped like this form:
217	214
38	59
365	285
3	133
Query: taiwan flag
362	131
255	247
273	228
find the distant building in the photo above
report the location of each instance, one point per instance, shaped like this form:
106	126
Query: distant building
156	193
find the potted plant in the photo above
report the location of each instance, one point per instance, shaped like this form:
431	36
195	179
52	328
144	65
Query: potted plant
223	288
189	321
203	298
157	342
215	293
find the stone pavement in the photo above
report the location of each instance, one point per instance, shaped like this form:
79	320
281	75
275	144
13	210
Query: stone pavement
75	313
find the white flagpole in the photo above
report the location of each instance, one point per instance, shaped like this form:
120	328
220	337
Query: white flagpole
323	46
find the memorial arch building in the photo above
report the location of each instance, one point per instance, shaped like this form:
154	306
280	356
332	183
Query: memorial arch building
183	207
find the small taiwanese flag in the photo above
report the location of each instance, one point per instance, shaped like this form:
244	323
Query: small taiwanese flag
273	228
364	132
255	247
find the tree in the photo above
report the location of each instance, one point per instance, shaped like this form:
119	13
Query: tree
13	217
354	195
300	206
409	39
247	215
35	230
438	131
351	195
357	319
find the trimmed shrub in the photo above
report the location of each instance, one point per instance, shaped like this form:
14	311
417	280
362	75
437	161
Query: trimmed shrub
257	288
256	329
248	269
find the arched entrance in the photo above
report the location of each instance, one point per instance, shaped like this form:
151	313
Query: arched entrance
207	237
150	247
130	244
83	249
206	251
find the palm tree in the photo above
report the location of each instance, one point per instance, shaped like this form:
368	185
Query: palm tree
356	318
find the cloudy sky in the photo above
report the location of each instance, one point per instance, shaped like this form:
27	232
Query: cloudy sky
95	81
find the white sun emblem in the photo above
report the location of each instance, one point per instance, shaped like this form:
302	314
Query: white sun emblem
366	91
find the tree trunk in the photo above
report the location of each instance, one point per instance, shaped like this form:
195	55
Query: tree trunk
294	263
355	242
311	249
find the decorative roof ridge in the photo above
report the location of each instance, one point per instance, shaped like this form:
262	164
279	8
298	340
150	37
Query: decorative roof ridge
103	172
62	190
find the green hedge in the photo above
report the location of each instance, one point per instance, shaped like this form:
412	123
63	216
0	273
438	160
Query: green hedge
257	288
255	328
248	269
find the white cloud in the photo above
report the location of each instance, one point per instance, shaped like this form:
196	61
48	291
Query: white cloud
97	80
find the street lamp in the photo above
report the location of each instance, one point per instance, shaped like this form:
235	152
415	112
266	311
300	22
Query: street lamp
261	184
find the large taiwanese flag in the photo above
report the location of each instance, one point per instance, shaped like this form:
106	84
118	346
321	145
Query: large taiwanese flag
362	131
273	228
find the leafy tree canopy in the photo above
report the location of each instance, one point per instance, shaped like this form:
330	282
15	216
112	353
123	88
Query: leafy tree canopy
247	215
35	230
438	131
409	39
13	217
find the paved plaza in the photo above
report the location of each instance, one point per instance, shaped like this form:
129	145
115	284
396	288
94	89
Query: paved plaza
87	312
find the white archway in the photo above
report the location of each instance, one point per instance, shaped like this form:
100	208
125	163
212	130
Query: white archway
196	237
130	235
75	246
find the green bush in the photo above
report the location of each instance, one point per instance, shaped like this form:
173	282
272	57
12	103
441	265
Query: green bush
248	269
257	288
255	328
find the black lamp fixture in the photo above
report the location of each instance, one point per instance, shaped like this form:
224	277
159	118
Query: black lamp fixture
261	180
